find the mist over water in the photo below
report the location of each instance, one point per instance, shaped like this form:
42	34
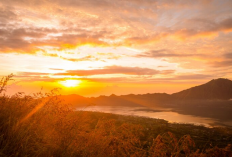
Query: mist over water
165	113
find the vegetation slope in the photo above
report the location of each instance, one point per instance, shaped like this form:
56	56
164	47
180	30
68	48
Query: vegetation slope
43	125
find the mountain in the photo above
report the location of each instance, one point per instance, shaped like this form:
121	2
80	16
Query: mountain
131	99
75	100
217	89
210	100
220	89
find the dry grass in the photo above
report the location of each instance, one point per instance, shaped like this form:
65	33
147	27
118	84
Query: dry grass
42	125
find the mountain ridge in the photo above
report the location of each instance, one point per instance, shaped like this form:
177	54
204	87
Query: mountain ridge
220	88
216	89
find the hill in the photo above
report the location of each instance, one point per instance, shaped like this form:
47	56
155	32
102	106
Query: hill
216	89
210	100
220	89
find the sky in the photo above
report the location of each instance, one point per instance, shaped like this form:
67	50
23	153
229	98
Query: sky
104	47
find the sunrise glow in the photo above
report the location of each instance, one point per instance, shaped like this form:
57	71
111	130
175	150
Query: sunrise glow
70	83
119	47
156	67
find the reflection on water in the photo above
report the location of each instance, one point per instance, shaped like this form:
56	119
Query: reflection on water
153	113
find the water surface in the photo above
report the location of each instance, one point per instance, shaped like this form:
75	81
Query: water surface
166	114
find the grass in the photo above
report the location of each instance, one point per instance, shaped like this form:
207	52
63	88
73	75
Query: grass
43	125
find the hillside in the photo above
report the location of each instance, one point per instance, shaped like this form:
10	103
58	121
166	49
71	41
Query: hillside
130	100
208	100
220	89
216	89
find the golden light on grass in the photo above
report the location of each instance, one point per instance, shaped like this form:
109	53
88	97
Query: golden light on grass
70	83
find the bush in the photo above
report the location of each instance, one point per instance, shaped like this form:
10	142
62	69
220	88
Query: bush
43	125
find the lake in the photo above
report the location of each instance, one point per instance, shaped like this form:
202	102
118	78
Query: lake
166	114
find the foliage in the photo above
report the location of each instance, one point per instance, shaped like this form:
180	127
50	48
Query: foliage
43	125
3	82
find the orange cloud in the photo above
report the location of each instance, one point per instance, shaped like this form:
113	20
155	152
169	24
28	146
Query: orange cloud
163	53
86	58
30	26
209	29
31	40
114	70
144	39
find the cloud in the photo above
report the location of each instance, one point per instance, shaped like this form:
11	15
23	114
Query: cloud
193	76
37	76
114	70
31	40
167	72
16	40
50	55
86	58
26	74
221	64
103	23
110	79
6	15
226	61
205	28
138	40
192	34
75	40
181	78
163	53
109	55
43	79
101	57
228	55
139	76
55	69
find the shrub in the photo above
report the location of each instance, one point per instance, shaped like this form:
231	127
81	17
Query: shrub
43	125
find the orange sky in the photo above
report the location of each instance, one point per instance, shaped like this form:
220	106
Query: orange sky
120	47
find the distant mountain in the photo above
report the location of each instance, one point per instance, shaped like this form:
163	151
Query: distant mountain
75	100
215	89
131	99
208	100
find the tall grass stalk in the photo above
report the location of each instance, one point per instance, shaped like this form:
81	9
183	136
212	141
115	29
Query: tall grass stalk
43	125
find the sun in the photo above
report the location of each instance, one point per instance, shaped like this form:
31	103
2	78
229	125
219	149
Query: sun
70	83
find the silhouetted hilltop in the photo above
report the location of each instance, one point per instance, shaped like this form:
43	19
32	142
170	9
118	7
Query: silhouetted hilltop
220	89
131	99
215	89
210	100
75	99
